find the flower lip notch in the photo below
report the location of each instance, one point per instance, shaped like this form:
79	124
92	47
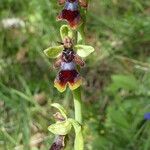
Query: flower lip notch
71	13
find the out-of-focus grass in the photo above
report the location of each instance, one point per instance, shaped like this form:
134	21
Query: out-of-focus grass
117	76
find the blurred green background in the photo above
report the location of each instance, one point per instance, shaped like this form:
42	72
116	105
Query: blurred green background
116	90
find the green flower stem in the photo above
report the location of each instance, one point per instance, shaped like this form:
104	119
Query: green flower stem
77	97
78	110
79	142
80	39
77	105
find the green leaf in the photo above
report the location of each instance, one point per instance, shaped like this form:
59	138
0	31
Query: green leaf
84	50
127	82
61	109
60	128
53	52
78	143
65	31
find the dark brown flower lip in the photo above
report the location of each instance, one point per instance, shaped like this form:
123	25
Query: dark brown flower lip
67	62
59	143
70	77
71	13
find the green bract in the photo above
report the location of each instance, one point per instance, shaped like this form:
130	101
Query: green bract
78	143
65	31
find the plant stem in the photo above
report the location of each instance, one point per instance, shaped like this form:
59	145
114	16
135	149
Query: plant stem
79	141
78	101
80	39
77	105
78	112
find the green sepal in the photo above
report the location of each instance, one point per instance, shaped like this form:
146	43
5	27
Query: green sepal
81	37
78	143
65	31
60	128
83	50
61	109
53	52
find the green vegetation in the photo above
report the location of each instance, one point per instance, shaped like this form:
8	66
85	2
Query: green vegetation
117	76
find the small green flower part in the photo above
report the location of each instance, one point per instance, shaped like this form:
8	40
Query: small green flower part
60	128
63	127
81	50
78	143
53	52
65	31
61	109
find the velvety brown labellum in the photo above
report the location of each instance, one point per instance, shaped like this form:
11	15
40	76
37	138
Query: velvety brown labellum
59	143
68	74
70	13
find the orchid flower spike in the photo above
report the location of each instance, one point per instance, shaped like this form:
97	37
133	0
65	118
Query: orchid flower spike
71	13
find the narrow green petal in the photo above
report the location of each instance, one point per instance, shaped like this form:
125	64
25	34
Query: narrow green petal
84	50
53	52
65	31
